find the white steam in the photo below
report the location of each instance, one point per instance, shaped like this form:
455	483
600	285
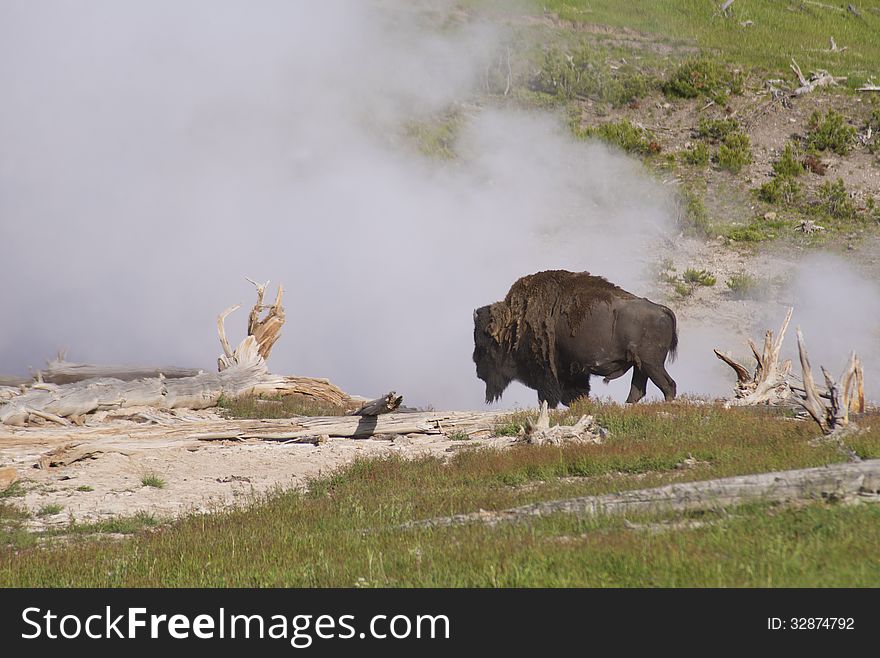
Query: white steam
155	153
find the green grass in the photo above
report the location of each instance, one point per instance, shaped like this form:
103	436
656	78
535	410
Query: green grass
830	132
698	277
85	488
744	286
153	480
346	529
624	135
759	230
50	509
715	130
781	29
583	73
703	78
697	155
735	152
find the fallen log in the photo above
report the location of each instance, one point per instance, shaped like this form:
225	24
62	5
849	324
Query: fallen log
363	427
61	371
384	405
834	482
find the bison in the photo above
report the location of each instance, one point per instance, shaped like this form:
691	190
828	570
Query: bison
556	328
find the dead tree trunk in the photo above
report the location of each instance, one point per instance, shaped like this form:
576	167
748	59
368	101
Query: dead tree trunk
769	383
834	482
849	393
264	331
384	405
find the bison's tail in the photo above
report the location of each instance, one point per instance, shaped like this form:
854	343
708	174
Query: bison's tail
673	345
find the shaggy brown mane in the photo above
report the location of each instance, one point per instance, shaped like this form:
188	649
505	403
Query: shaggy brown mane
536	302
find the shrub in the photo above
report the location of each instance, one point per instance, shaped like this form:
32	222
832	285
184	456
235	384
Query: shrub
716	130
625	135
152	480
697	155
758	230
584	74
830	133
782	189
694	218
698	277
835	200
743	286
703	77
735	153
789	163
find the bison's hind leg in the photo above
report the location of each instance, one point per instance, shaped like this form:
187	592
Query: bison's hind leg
661	378
639	387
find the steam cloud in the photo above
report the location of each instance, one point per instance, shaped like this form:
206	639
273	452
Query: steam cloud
155	153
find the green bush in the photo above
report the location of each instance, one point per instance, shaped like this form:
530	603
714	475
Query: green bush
625	135
758	230
698	277
789	163
835	200
830	133
584	74
744	286
694	218
781	189
715	130
703	77
735	152
697	155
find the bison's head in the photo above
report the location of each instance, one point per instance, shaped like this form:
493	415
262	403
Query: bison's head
495	363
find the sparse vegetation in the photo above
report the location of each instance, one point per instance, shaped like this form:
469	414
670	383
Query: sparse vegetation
697	155
584	74
744	286
50	509
698	277
789	164
704	77
458	436
694	217
835	200
830	133
624	135
715	130
735	152
85	488
153	480
780	189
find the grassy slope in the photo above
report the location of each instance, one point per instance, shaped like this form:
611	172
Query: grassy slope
343	531
782	29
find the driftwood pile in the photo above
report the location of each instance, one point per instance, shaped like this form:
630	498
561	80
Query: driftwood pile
67	392
539	432
772	383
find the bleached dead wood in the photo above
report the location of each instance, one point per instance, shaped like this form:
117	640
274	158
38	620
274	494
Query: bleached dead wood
60	371
834	482
820	78
539	432
769	384
843	397
362	427
384	405
265	331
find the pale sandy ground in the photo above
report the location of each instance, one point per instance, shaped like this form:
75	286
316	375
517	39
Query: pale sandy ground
200	476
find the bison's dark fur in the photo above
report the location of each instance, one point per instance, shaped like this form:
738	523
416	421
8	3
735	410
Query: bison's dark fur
556	328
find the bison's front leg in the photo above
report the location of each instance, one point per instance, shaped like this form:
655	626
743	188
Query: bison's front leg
572	393
639	387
